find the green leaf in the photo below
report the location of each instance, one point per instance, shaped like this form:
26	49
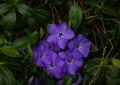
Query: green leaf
41	33
67	80
109	11
75	16
23	42
41	14
55	2
2	38
4	8
10	51
116	62
31	23
24	10
9	20
6	76
92	66
51	82
93	48
93	3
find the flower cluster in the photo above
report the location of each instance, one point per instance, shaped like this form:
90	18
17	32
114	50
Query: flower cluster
61	53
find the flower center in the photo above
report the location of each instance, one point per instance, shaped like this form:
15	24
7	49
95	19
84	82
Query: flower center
69	60
50	46
60	35
77	46
41	55
52	65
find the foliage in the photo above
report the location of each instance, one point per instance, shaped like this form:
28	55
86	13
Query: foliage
23	23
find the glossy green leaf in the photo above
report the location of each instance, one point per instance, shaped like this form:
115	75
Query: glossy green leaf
9	20
23	42
4	8
10	51
2	38
92	66
24	10
31	23
109	11
41	33
51	82
116	62
56	2
41	15
75	16
93	3
94	48
6	76
67	80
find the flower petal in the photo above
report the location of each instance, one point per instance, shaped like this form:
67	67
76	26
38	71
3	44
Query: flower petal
76	54
72	69
62	55
62	43
62	27
69	34
52	39
53	29
85	42
79	80
71	45
78	62
84	51
78	39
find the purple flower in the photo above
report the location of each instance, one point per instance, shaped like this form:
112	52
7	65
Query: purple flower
49	45
80	46
72	63
60	34
54	66
41	54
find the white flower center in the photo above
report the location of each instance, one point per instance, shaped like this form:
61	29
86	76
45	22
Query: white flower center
60	35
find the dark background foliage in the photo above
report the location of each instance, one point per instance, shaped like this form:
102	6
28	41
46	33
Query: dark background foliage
24	22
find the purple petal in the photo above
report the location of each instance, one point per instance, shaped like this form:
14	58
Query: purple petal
52	39
62	43
85	42
84	51
79	80
30	81
40	63
62	55
59	62
78	62
62	26
35	54
53	29
78	39
59	82
71	45
76	53
41	48
72	69
69	34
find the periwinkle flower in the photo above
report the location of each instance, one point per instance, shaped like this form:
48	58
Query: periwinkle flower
60	34
54	66
80	46
41	54
49	45
72	63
